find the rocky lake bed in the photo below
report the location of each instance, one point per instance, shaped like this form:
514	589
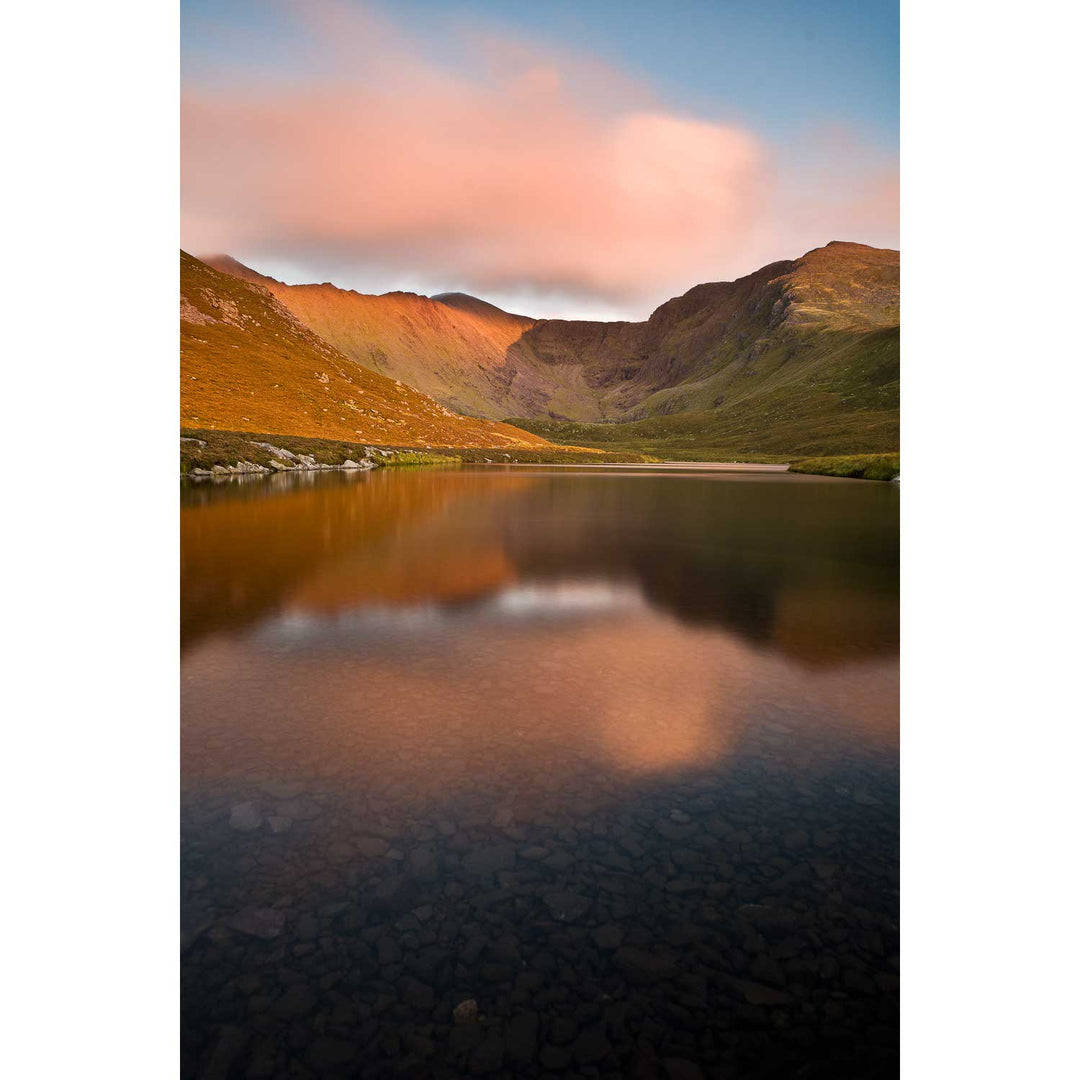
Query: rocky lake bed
739	924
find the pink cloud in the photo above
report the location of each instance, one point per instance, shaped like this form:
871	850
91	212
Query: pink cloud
528	169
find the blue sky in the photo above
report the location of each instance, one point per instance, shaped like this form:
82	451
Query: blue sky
779	63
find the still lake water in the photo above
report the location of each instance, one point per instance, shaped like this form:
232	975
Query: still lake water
613	754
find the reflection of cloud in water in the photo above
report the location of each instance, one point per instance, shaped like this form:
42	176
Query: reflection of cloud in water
515	604
634	695
441	712
566	599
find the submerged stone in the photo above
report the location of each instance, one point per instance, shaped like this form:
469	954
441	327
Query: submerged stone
371	847
328	1053
488	1056
521	1034
490	860
566	906
466	1012
756	994
644	967
245	817
265	923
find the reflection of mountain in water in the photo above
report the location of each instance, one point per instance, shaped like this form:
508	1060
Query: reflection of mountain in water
806	567
342	540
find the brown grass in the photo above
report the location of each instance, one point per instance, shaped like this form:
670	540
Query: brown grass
246	364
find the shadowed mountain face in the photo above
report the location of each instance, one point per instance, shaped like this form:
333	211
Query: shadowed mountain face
814	340
248	364
719	341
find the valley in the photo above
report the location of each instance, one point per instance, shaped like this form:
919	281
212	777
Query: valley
800	358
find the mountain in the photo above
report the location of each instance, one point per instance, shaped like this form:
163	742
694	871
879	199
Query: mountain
719	340
452	347
248	364
801	356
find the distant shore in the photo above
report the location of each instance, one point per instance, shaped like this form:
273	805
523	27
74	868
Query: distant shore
669	466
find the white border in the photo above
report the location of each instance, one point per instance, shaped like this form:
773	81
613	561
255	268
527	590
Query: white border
988	647
989	418
91	754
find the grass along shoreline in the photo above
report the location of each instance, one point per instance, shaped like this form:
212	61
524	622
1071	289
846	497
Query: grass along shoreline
854	466
206	452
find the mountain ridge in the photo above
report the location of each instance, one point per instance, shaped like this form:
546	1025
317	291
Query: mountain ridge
248	364
452	352
796	341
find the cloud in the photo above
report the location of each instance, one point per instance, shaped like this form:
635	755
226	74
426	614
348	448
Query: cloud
511	168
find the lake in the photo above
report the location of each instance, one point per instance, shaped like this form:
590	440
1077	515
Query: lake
605	760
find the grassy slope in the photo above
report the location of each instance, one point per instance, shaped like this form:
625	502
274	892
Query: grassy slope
452	348
845	399
722	345
246	364
800	359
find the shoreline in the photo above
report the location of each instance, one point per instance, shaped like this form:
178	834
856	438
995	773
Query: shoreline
879	467
222	472
665	466
208	454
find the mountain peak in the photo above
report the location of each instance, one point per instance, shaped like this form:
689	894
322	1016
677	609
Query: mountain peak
226	264
838	247
464	302
454	297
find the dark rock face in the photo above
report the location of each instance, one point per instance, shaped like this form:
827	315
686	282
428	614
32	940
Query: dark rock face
741	924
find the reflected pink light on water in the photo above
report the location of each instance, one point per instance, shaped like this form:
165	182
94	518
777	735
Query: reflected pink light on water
636	695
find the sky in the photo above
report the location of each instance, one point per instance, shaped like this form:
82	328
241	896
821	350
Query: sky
576	160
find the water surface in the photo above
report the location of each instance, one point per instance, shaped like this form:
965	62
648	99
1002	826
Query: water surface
612	753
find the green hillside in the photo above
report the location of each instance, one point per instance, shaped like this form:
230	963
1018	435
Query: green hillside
842	397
